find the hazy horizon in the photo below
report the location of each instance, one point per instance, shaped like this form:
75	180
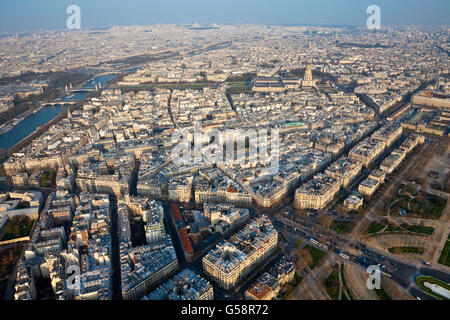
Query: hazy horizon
32	15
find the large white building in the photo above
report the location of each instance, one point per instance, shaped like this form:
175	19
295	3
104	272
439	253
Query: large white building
316	193
344	169
232	260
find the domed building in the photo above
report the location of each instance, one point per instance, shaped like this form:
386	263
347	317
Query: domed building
308	81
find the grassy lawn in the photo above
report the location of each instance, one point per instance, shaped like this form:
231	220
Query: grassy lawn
410	188
238	87
445	255
411	228
374	227
297	279
382	294
136	88
299	243
17	227
420	280
401	203
344	285
316	255
341	226
332	284
182	86
48	179
425	206
237	83
429	205
8	258
3	286
399	250
419	229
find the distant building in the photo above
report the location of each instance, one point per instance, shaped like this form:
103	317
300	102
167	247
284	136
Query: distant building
268	84
431	99
308	81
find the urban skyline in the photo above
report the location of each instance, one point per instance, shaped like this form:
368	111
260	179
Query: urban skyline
27	15
225	161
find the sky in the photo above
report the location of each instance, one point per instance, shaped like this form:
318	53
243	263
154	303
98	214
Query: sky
33	15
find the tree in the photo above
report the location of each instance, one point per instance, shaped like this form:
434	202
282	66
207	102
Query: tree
305	256
3	153
343	212
325	220
395	225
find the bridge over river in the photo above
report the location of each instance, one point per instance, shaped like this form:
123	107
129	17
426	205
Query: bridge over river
59	103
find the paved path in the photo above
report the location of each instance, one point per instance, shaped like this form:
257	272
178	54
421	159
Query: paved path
311	287
439	238
340	282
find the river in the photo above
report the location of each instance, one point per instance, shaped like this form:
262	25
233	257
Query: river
44	115
28	126
77	96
